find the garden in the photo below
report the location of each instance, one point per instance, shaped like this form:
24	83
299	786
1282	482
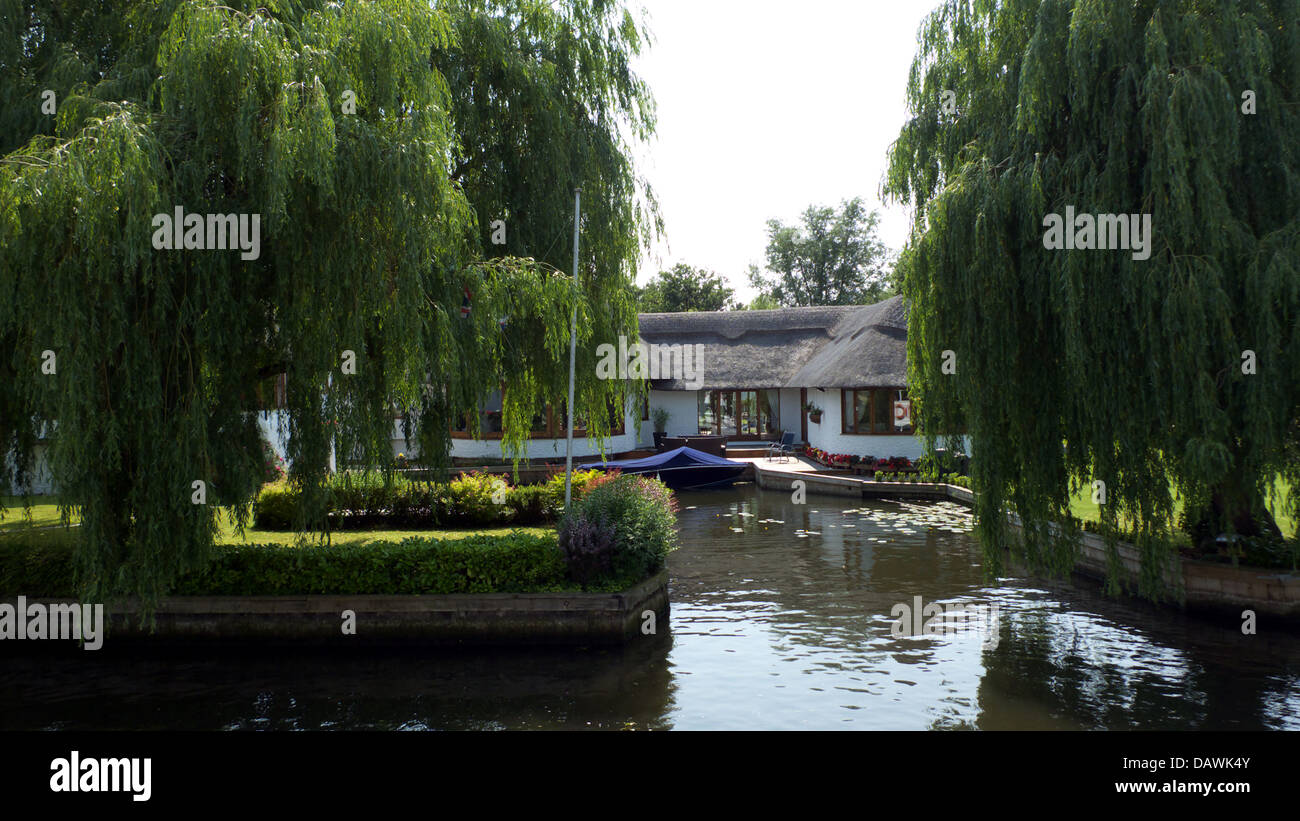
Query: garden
389	535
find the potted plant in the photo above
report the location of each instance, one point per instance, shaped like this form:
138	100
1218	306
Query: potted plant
814	413
660	417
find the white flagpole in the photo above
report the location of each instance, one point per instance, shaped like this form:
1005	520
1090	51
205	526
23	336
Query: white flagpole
573	348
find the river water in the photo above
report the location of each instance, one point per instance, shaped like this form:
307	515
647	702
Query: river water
783	617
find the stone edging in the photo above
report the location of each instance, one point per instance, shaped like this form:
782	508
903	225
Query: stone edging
462	618
1200	584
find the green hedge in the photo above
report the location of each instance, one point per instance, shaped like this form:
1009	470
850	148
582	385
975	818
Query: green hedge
366	500
626	531
622	528
517	562
37	565
514	563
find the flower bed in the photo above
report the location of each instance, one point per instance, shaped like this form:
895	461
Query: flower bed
860	464
365	500
629	522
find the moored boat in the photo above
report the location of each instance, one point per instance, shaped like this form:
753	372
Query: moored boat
681	468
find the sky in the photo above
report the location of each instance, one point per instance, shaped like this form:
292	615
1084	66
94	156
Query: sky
765	108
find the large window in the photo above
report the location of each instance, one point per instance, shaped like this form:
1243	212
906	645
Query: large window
873	411
742	414
549	424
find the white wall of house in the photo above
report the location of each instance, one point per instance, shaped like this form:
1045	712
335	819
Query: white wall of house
275	427
791	411
39	483
270	422
684	409
550	450
828	437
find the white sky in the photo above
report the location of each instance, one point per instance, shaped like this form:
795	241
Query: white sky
764	108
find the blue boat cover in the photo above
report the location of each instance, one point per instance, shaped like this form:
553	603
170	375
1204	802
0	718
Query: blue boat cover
682	457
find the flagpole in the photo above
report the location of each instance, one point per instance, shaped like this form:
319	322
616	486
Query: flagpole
573	348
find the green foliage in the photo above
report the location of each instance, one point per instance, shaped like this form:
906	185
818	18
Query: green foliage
581	479
641	514
517	563
514	563
762	302
1106	367
530	503
272	464
685	288
473	498
371	499
37	564
588	548
277	507
371	227
834	258
660	417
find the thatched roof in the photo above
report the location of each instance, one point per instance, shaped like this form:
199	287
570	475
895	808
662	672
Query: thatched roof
822	347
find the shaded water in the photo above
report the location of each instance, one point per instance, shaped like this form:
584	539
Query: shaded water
785	624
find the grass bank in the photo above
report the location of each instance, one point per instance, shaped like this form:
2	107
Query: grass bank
1082	506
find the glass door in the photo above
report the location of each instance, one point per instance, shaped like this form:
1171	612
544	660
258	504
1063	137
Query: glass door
727	413
749	423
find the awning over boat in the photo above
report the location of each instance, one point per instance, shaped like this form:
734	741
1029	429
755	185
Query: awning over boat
678	458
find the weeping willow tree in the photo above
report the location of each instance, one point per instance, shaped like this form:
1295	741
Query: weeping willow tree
543	94
336	125
1172	376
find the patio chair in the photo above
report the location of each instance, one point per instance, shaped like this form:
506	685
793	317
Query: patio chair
784	447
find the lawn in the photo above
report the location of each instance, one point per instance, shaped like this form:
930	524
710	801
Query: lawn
45	513
254	536
1081	505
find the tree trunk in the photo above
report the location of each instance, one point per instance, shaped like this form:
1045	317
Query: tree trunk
1235	508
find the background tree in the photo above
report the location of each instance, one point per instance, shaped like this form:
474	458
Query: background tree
762	302
833	258
1074	367
370	236
685	288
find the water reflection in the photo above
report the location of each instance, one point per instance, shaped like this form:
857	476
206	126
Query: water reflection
781	618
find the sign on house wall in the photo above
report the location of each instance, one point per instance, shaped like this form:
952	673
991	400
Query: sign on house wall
902	413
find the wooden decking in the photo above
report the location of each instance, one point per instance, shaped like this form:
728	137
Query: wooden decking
778	474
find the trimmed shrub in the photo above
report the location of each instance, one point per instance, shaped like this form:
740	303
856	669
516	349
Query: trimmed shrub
641	512
474	499
581	479
513	563
588	548
276	507
364	499
32	565
529	504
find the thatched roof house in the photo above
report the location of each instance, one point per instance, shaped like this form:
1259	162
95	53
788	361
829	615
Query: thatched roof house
820	347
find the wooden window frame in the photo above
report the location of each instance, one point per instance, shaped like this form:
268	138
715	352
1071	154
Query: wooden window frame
849	422
735	433
554	428
271	393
